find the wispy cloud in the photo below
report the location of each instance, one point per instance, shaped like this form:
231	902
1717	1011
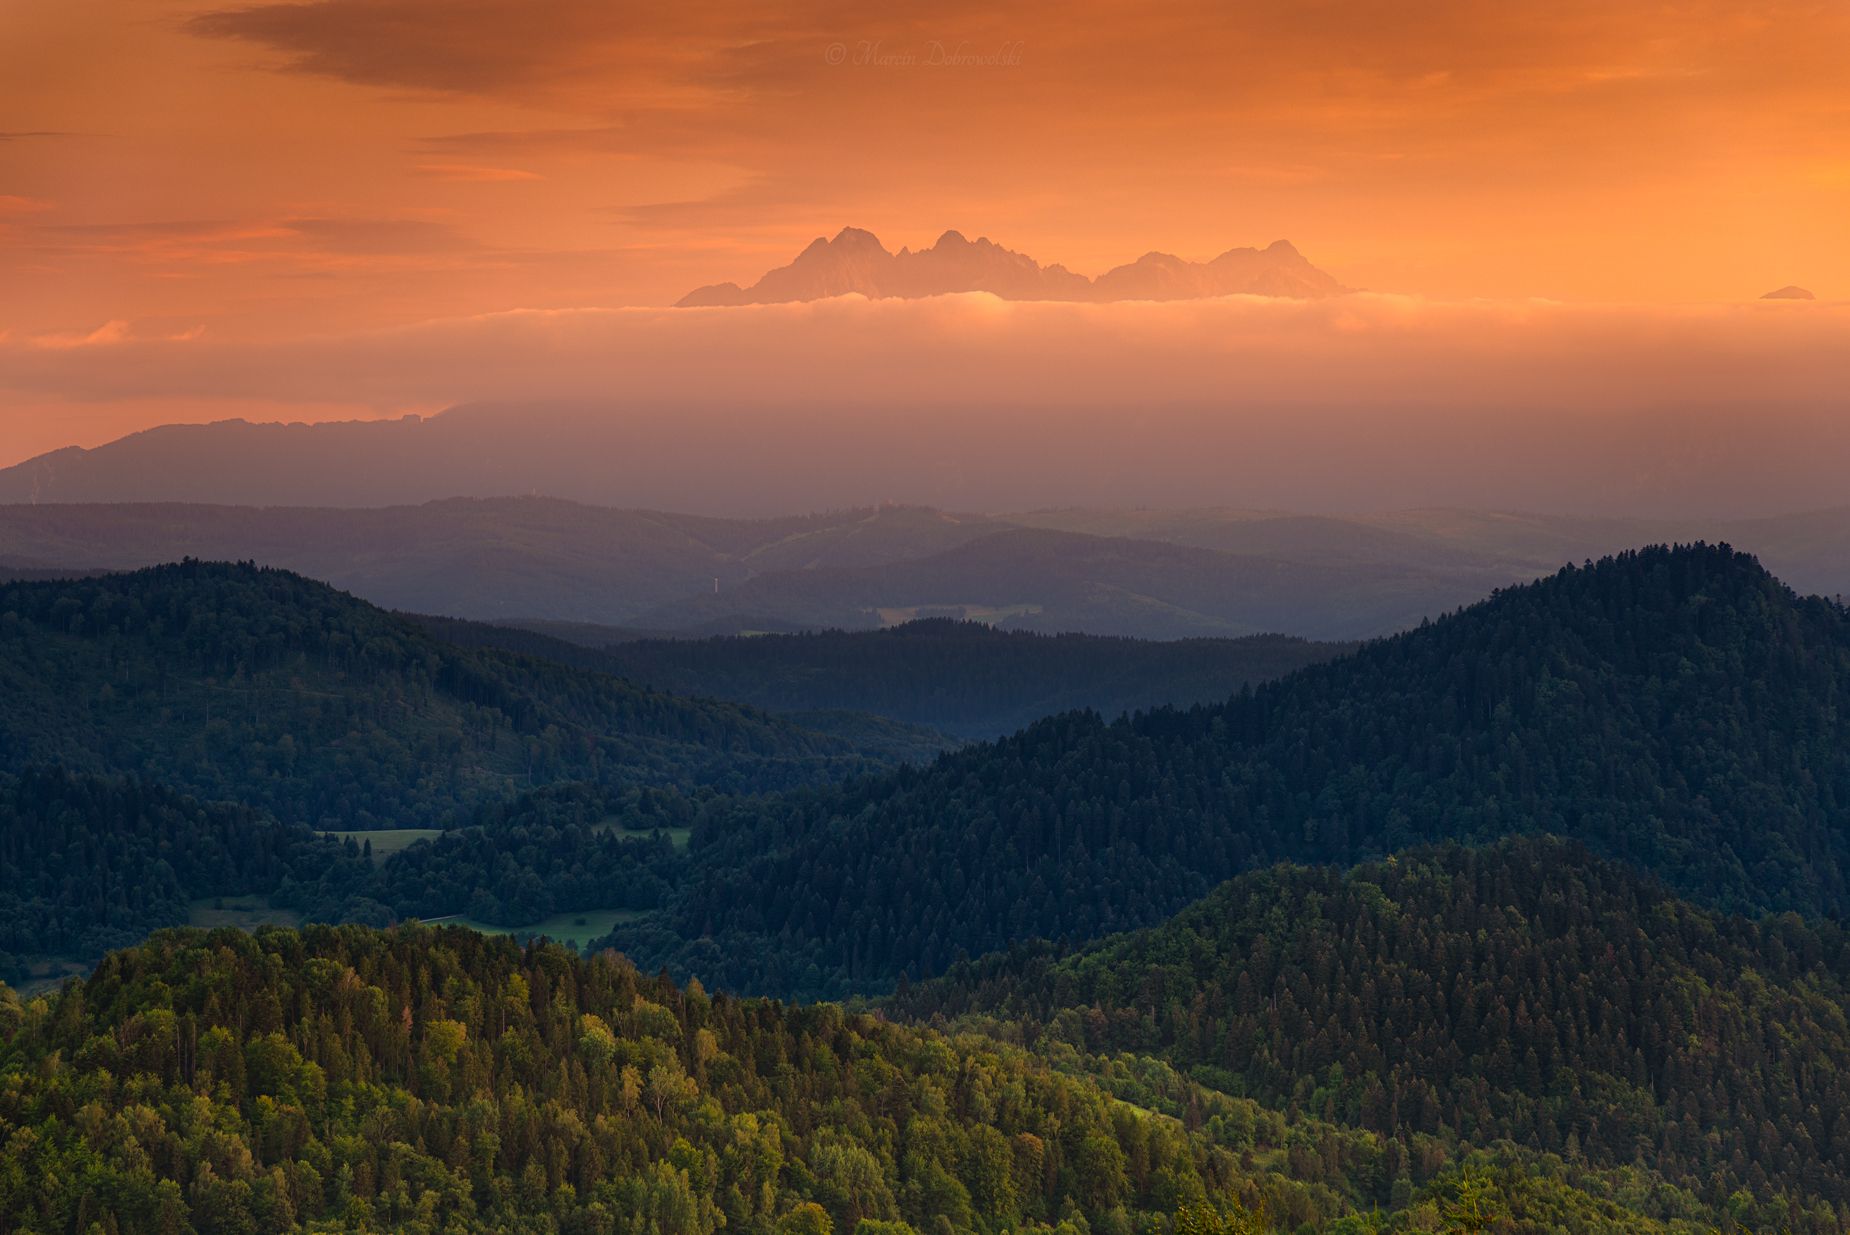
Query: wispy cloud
474	172
106	335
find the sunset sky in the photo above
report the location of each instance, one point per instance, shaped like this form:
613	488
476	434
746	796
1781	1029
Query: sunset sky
182	174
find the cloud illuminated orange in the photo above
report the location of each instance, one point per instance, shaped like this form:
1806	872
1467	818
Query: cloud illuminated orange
276	171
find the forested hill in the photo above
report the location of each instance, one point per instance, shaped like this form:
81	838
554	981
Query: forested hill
1526	991
1678	708
959	677
237	683
417	1081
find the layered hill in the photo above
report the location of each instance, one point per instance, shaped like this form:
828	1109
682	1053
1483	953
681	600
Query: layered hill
962	677
1524	992
1039	579
855	262
258	686
1140	572
1676	708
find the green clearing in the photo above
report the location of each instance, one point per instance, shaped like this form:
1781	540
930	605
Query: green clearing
677	837
46	974
576	929
244	912
388	841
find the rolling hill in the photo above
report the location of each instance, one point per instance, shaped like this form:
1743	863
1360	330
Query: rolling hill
1524	992
258	686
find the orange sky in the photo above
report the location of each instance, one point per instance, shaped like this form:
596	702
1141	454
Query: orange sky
174	170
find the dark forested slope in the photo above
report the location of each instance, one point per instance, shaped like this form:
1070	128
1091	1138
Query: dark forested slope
960	677
258	686
89	863
1525	991
1678	708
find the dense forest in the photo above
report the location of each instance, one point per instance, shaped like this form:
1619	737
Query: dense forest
1525	992
434	1080
1677	708
257	686
89	863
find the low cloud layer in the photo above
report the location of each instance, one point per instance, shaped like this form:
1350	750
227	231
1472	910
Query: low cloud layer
1366	400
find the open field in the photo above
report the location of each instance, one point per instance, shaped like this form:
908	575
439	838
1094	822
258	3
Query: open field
244	912
576	929
388	841
677	837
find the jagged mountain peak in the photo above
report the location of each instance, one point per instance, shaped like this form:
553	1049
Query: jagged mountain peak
855	261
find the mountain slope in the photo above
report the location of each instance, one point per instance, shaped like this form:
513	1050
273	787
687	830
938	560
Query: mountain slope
1524	992
855	261
259	686
1678	708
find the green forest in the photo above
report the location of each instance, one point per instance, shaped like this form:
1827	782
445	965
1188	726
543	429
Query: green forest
433	1080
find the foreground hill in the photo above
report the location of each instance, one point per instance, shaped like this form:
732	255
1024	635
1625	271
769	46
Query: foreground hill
345	1079
258	686
1526	992
964	678
1676	708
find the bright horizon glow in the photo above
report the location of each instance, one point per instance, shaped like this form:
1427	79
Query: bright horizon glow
272	177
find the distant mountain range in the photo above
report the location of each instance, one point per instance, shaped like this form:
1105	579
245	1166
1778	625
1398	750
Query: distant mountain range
599	576
856	262
834	450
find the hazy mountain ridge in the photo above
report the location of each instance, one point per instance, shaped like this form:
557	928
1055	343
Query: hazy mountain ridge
1142	572
855	262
